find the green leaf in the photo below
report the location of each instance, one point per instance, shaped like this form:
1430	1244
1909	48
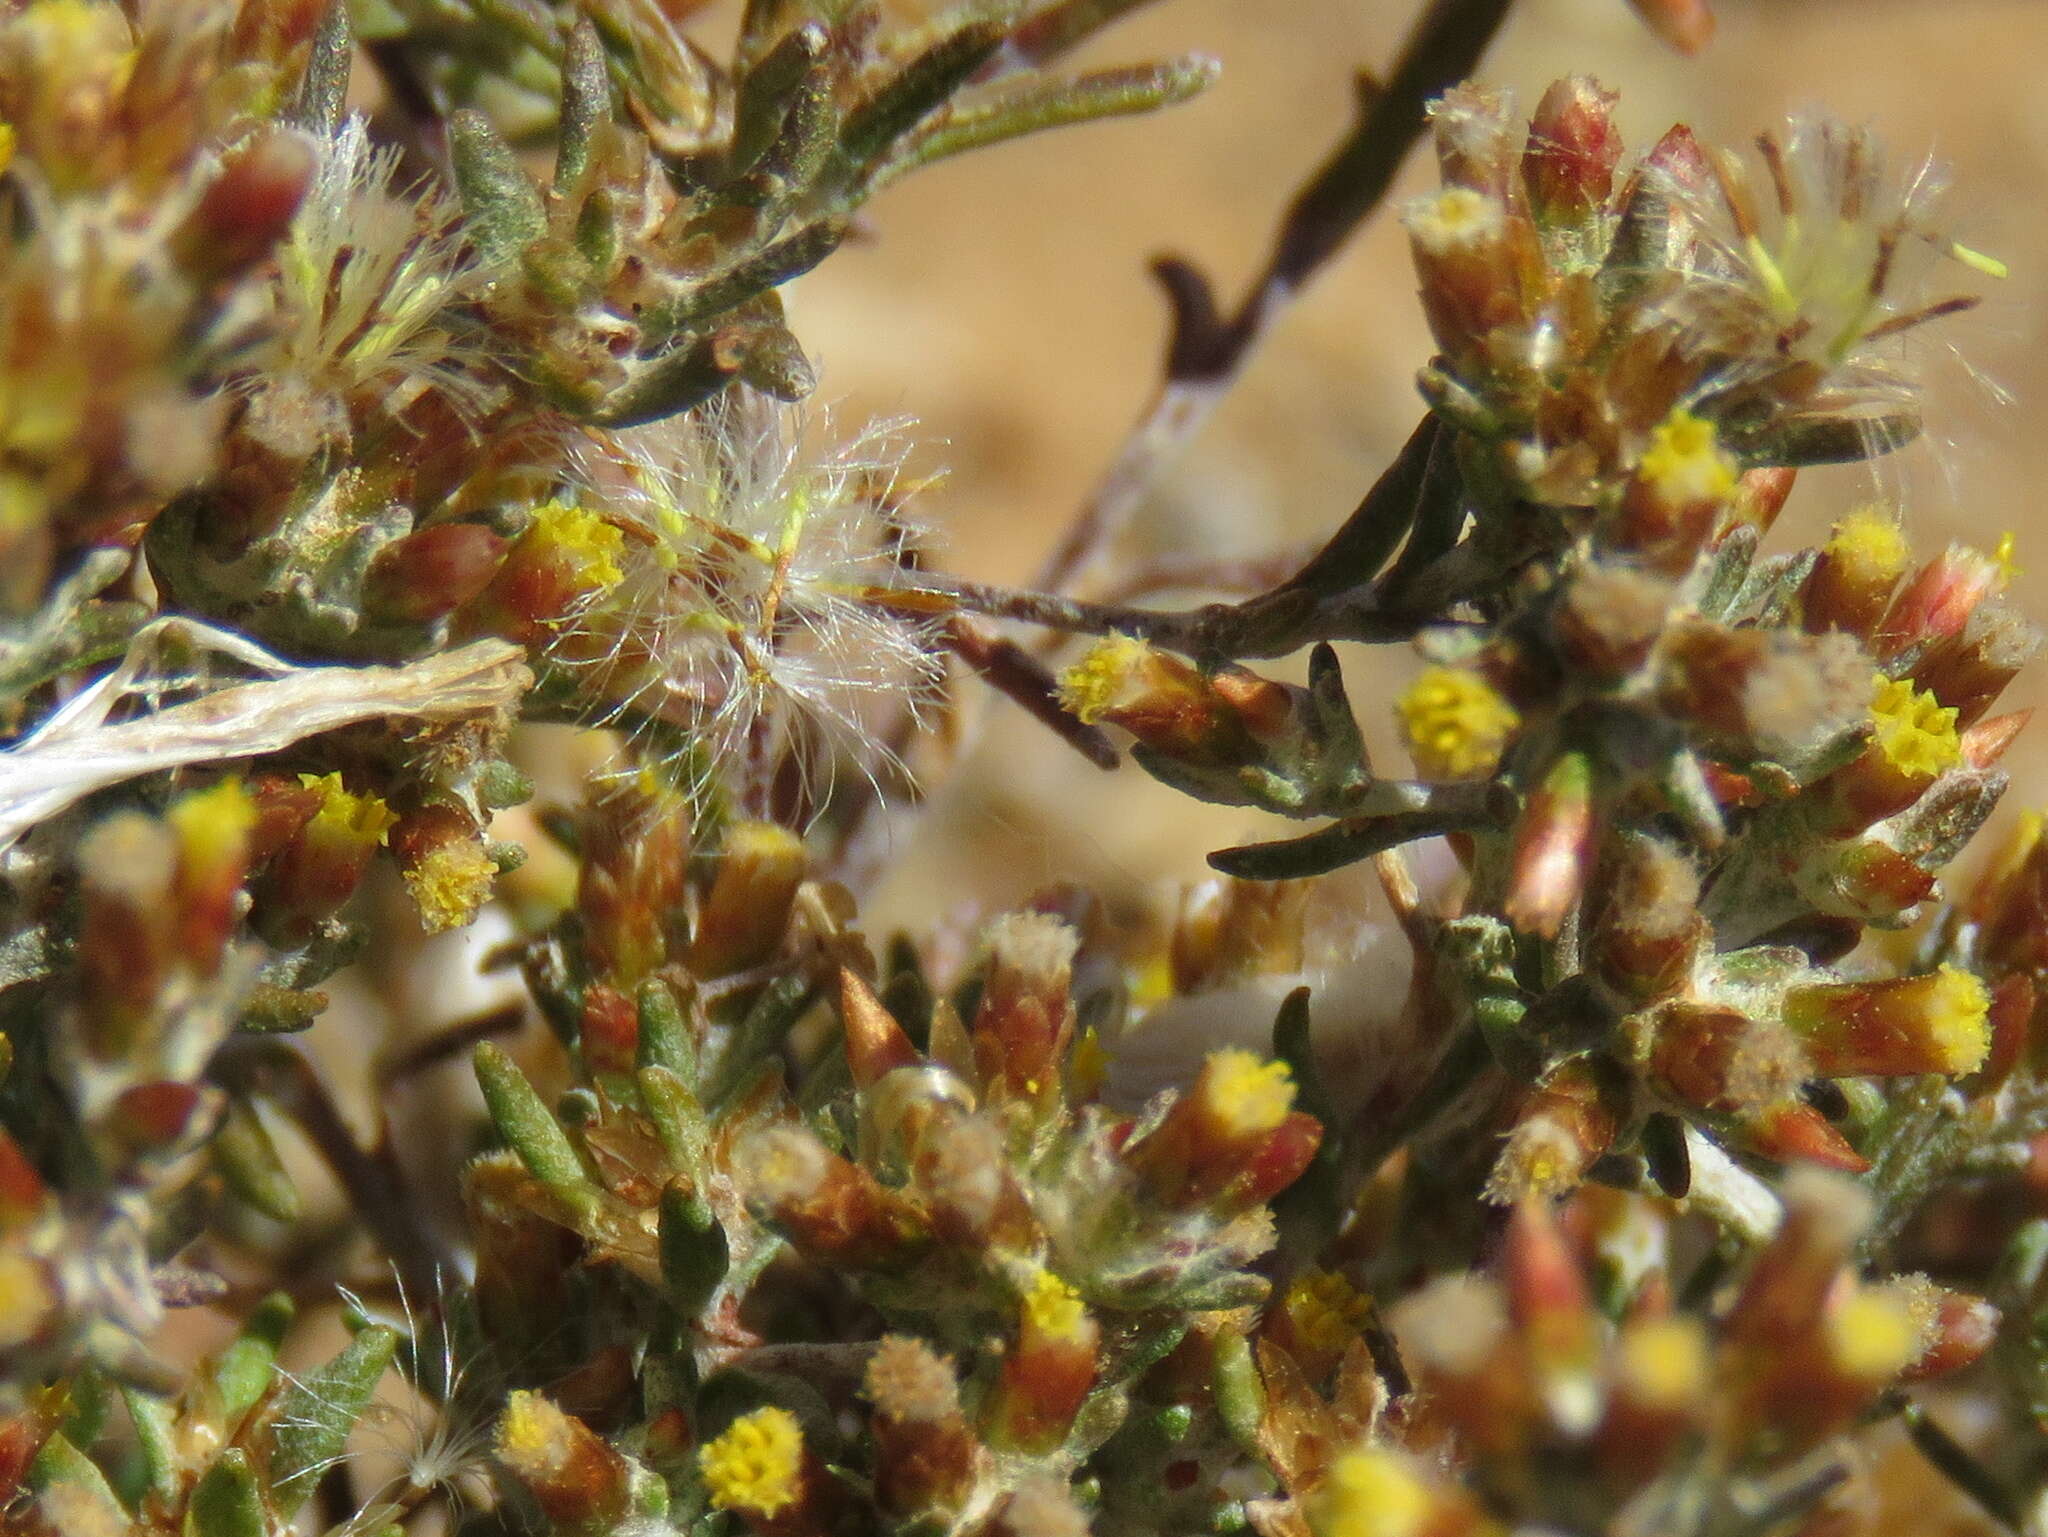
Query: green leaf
1046	104
531	1130
323	91
586	102
505	211
151	1417
694	1252
317	1412
226	1501
243	1371
925	82
248	1161
60	1464
666	1039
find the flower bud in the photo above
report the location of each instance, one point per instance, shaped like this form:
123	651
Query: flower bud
875	1043
323	863
1676	496
1649	933
1851	585
1374	1491
1025	1020
1661	1385
1466	250
1320	1316
1934	1023
248	206
746	912
1567	1122
448	870
127	937
213	828
431	573
1687	25
1937	602
577	1479
1553	1315
1553	845
1456	1337
1792	1131
833	1210
926	1457
1168	704
1048	1370
1573	149
1232	1141
566	558
1769	693
1969	672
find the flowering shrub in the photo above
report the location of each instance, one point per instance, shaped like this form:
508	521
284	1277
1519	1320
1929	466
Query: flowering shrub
1665	1162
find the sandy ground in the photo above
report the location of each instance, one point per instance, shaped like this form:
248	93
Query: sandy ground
1003	303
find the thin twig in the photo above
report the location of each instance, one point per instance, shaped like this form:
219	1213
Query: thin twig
1207	349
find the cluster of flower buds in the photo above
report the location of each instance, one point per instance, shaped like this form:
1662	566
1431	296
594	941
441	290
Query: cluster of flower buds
1554	1402
1578	304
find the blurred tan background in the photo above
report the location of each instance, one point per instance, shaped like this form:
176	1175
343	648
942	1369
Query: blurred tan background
1004	303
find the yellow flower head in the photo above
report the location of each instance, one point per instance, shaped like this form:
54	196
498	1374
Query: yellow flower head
584	543
1869	548
214	823
346	816
1958	1015
757	1464
450	884
1872	1335
1054	1308
1248	1094
535	1438
1914	730
1099	680
1455	217
1455	723
1664	1361
1326	1310
1371	1492
1685	463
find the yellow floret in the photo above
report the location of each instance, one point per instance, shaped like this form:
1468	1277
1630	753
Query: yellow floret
1914	730
1869	547
1098	681
586	544
1326	1310
534	1437
358	818
213	821
1959	1020
1455	724
1664	1361
1053	1307
1685	463
1246	1093
1456	216
1872	1335
757	1464
450	884
1371	1493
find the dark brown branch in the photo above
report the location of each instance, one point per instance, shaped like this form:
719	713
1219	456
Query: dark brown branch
1013	672
1207	348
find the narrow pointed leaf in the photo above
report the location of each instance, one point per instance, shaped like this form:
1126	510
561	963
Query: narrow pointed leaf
317	1412
531	1130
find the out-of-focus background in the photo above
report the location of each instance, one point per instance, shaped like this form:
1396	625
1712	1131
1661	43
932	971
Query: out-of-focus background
1003	303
